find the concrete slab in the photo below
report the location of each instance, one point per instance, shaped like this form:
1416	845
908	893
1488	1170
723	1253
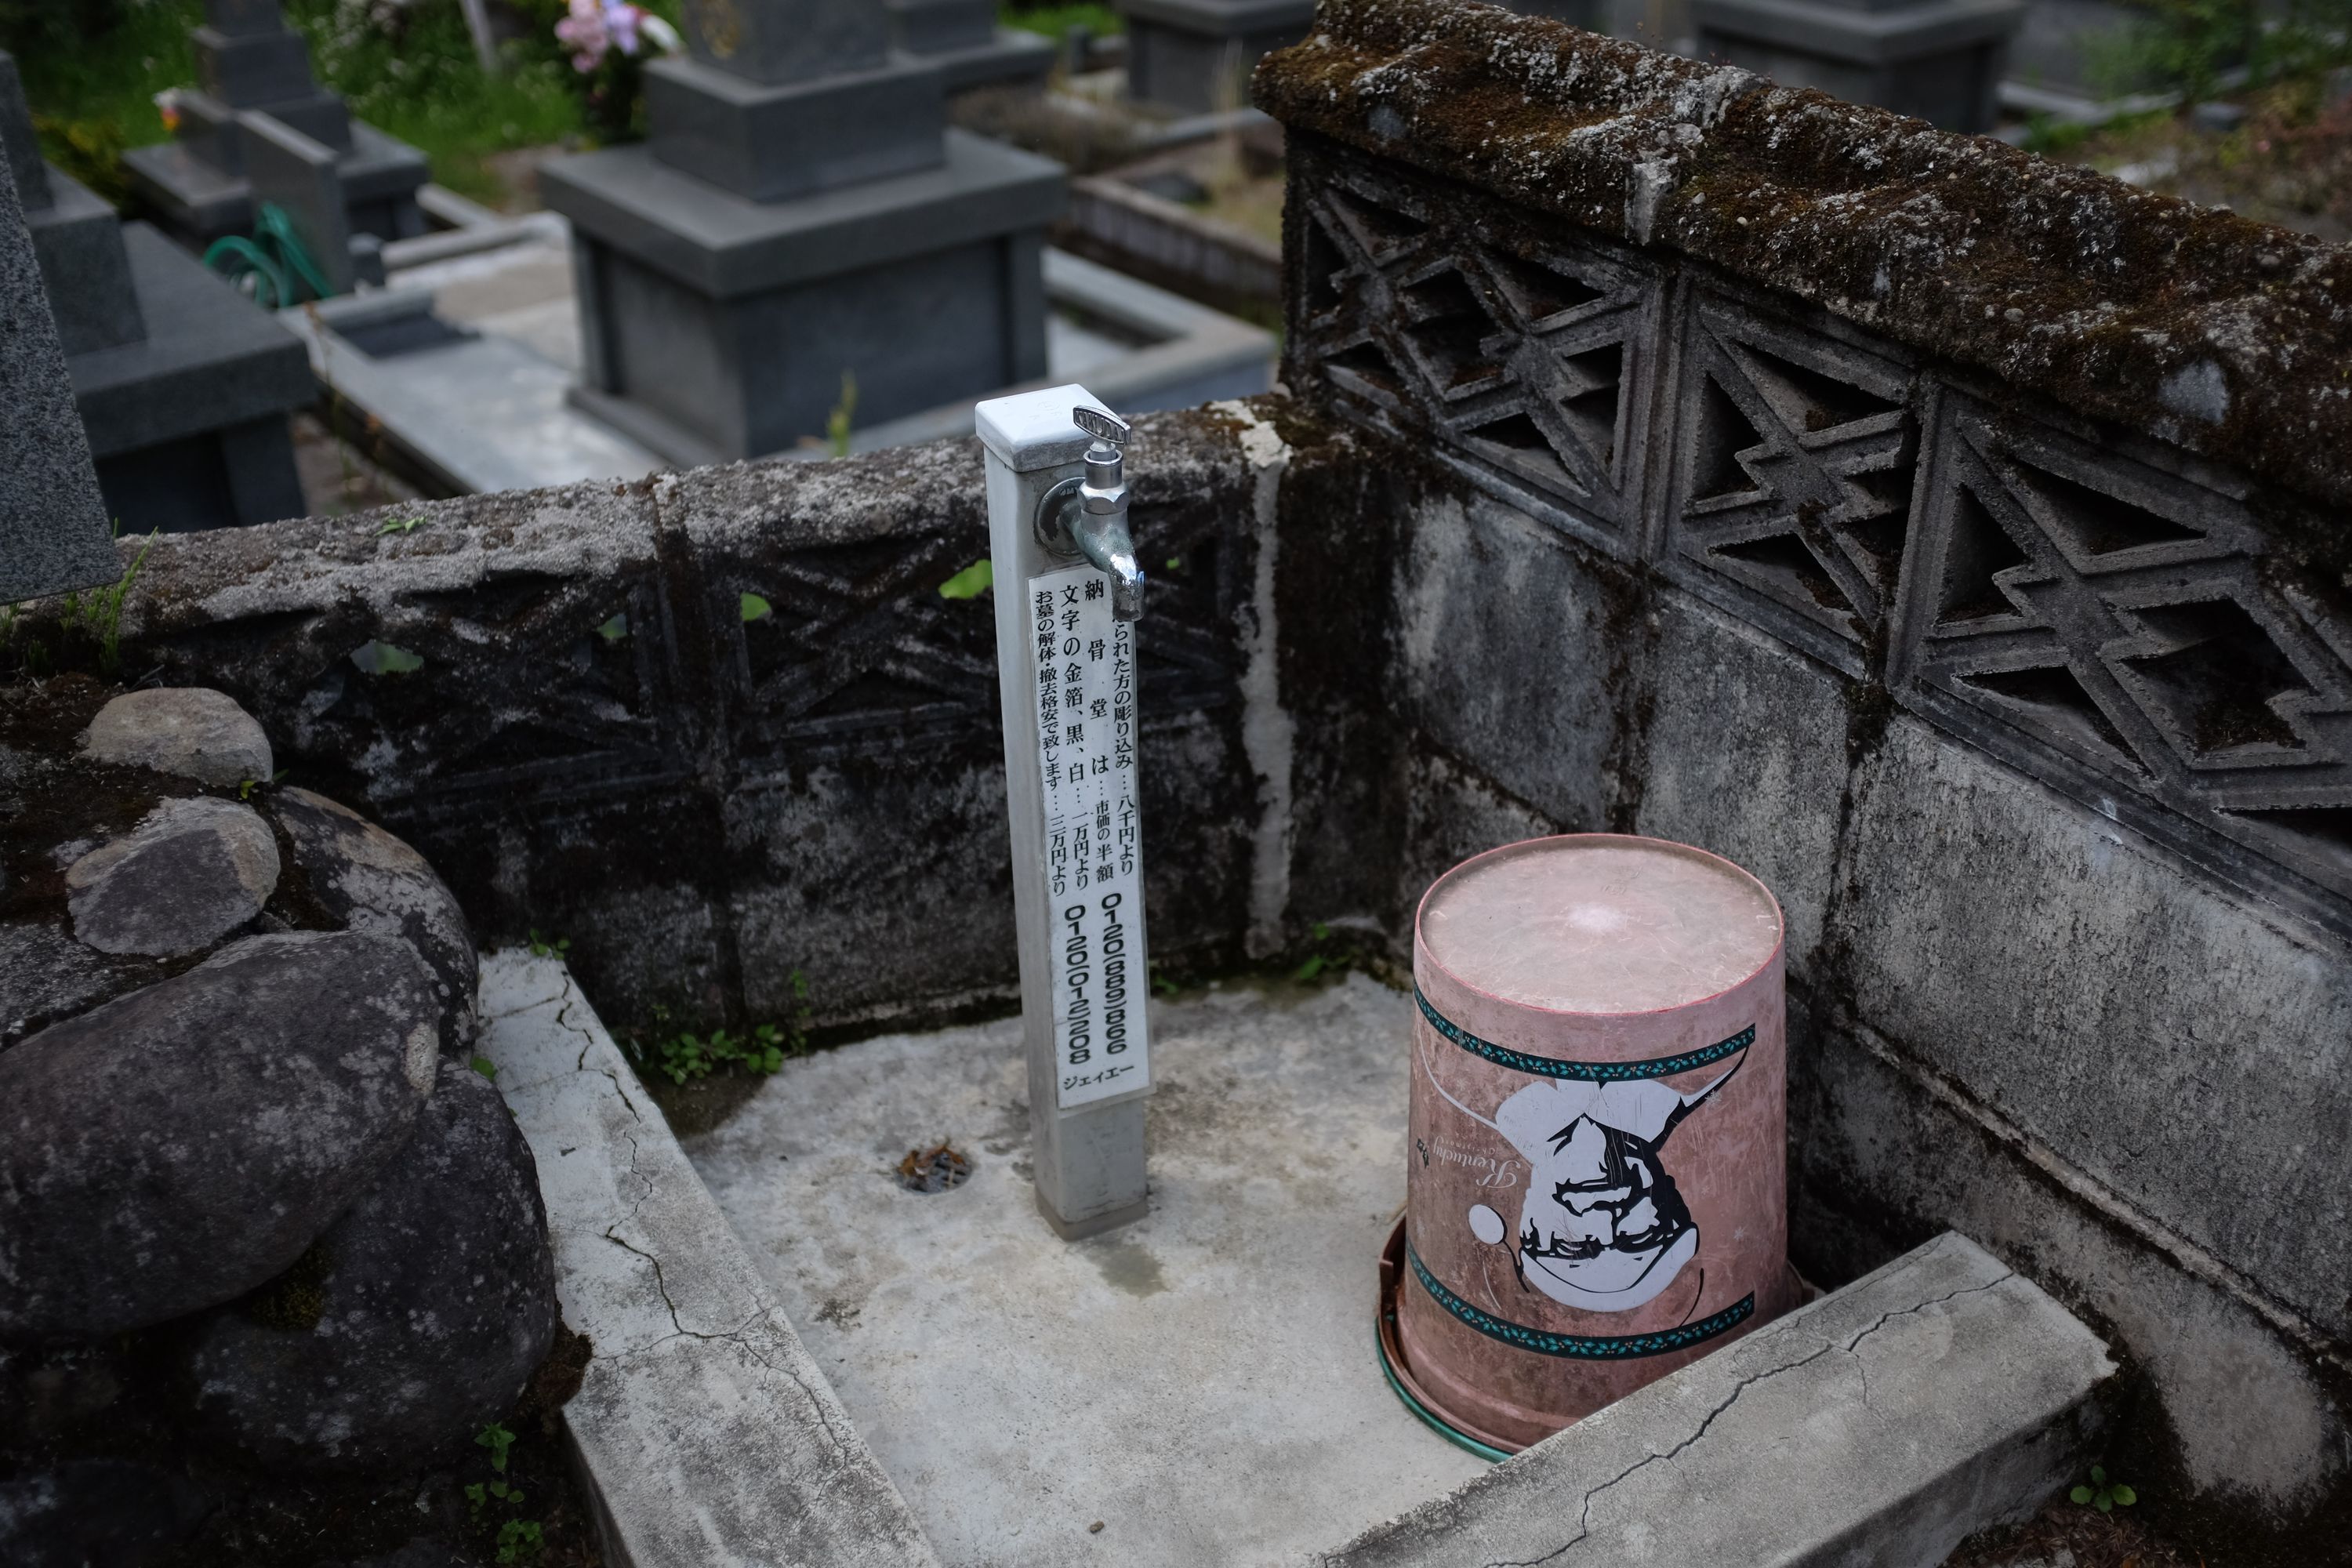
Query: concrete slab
1202	1381
1881	1425
708	1434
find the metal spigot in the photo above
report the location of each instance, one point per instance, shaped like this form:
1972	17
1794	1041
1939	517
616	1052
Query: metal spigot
1088	516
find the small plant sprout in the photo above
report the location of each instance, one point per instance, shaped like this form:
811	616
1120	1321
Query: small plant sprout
754	609
1325	959
836	423
498	1440
519	1540
971	583
247	787
543	947
99	613
685	1057
399	525
2102	1496
487	1067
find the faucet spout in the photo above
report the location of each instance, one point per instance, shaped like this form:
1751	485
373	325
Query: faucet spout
1103	540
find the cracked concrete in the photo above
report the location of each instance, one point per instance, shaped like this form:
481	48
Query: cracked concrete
709	1435
1202	1381
1879	1425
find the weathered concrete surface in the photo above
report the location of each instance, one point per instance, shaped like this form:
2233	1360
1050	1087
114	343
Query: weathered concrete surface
2053	278
703	793
709	1433
2011	1015
1202	1381
2128	1013
1882	1425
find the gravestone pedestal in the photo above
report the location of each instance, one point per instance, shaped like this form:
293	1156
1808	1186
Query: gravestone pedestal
1196	55
961	37
800	213
1941	60
249	61
182	386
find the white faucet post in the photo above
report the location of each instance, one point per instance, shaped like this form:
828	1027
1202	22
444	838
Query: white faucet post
1067	593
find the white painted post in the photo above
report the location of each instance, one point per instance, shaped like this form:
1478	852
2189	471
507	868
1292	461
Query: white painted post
486	42
1066	672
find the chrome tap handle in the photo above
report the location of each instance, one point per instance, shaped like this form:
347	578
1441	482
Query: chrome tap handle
1088	516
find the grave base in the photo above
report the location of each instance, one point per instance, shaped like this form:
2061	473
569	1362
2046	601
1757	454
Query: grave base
714	328
196	203
89	283
1196	55
961	40
1941	61
188	424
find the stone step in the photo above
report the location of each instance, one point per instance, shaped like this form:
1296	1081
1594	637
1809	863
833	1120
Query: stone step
1882	1425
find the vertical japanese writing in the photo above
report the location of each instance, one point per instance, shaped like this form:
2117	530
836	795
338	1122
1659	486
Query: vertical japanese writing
1087	747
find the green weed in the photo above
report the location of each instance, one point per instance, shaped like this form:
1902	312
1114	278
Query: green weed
683	1057
971	583
1329	957
540	947
2103	1495
98	612
836	423
1055	21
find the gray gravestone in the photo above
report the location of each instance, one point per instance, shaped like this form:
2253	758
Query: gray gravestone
53	529
302	178
249	61
182	387
1196	55
1941	60
798	211
76	235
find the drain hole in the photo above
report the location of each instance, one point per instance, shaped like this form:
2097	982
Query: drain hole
933	1169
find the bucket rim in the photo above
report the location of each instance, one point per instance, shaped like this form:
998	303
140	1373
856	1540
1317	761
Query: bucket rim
1399	1374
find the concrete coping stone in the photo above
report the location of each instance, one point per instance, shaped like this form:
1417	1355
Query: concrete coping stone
1882	1424
707	1433
2194	325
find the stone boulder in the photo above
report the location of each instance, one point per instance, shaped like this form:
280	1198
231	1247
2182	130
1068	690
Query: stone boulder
174	1148
411	1323
113	1513
191	873
188	731
46	976
368	879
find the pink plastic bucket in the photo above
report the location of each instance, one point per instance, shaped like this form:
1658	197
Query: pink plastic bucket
1598	1161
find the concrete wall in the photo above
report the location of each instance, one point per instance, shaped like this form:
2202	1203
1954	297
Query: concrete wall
600	746
1800	508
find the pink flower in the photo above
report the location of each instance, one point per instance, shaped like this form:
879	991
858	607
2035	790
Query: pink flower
585	32
597	28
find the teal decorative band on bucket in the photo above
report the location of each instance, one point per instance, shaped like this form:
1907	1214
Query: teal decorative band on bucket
1585	1347
1583	1072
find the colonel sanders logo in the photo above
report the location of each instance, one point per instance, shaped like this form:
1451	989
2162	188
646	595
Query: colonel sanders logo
1602	1227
